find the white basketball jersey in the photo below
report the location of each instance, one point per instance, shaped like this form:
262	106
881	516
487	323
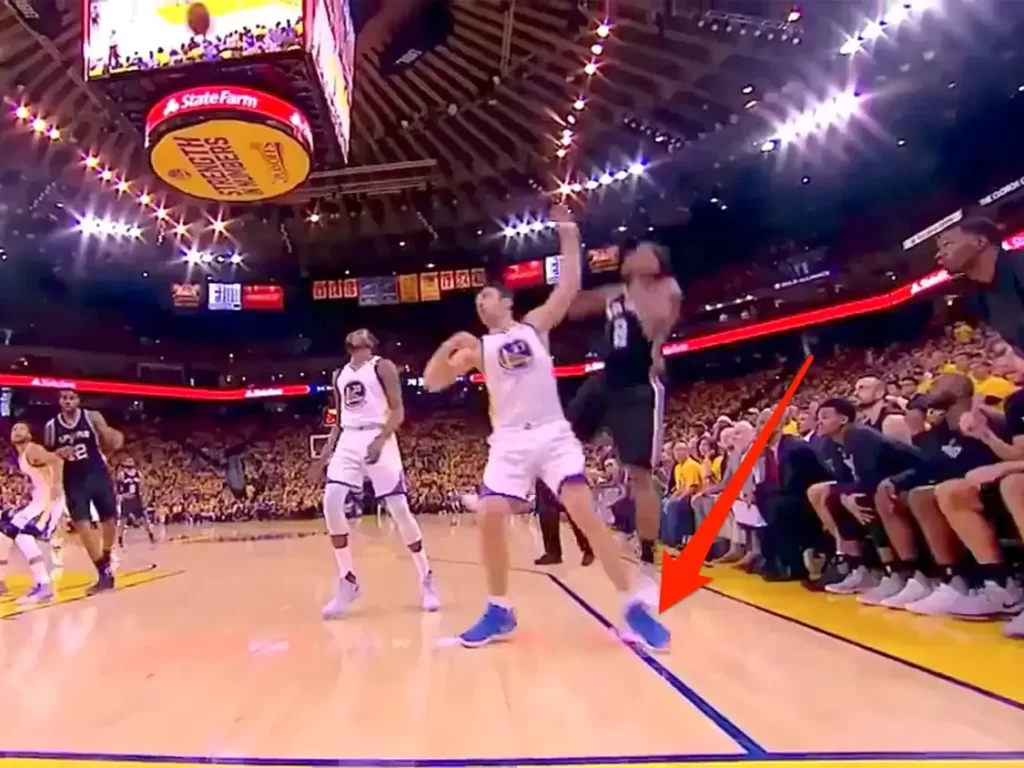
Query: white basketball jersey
520	377
361	398
39	478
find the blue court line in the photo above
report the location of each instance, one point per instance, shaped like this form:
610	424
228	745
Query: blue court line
912	665
734	732
509	762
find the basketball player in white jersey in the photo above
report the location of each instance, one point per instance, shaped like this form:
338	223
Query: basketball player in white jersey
368	396
531	439
40	518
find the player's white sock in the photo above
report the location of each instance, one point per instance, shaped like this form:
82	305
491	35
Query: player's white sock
343	557
30	549
501	602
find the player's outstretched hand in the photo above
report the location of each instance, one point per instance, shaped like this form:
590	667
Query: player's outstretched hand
560	214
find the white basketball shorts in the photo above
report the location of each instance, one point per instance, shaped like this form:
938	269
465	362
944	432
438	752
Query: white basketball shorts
349	467
39	518
519	457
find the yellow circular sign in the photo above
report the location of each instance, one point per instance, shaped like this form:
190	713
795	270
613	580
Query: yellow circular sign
231	160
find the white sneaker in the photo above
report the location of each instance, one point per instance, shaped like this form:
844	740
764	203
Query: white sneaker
341	602
1016	627
918	587
890	585
428	591
860	579
115	561
941	599
990	600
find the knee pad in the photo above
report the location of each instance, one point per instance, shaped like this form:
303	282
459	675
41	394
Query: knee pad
408	528
336	503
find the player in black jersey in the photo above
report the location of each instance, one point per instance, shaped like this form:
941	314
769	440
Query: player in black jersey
129	500
628	397
83	439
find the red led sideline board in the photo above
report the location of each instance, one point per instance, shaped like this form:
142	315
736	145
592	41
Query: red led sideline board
879	303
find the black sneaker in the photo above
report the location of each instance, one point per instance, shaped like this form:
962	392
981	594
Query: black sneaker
588	558
548	559
103	584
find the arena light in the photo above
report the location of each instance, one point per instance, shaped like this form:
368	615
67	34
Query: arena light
603	30
590	69
23	113
236	259
875	29
818	119
597	49
636	169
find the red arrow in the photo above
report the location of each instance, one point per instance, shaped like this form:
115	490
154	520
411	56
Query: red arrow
680	576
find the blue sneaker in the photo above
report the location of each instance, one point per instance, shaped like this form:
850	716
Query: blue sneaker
40	593
497	623
645	629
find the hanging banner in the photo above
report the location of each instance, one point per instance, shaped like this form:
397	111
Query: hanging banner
478	278
408	288
350	288
525	274
447	280
552	269
603	259
429	288
369	291
388	290
462	281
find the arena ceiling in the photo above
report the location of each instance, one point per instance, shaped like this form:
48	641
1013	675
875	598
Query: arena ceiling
447	150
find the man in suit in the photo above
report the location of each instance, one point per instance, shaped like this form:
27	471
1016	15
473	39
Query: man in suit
791	467
549	513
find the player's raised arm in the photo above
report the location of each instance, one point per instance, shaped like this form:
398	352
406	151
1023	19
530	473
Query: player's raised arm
455	357
593	302
111	440
553	311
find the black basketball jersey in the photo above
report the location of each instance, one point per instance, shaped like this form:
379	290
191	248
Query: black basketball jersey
629	354
86	456
883	414
129	484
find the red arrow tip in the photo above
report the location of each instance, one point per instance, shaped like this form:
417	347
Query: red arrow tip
679	580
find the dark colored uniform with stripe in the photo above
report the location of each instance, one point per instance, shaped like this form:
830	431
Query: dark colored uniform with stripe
87	481
624	398
129	490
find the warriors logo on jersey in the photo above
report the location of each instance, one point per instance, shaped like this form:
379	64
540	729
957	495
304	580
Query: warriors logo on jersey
353	394
515	355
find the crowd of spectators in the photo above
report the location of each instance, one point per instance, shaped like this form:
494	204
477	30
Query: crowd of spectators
193	48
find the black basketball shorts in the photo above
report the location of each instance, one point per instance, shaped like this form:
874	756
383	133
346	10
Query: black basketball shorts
95	490
131	509
995	512
634	416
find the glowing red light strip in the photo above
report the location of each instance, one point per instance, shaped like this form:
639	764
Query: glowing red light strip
847	309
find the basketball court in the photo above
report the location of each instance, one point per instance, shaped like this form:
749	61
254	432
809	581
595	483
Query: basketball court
213	650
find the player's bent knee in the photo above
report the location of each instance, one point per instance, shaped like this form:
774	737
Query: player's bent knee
408	528
335	503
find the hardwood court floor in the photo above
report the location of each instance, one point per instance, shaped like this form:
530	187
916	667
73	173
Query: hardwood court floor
217	654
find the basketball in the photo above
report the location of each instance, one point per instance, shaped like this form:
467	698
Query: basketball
198	19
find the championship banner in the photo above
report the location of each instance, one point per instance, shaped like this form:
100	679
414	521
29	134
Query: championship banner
319	290
603	259
552	269
388	290
186	295
350	288
429	288
525	274
228	143
447	280
369	291
462	281
408	288
478	278
335	291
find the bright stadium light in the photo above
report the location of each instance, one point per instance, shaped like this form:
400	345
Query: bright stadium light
591	184
508	232
236	259
637	169
850	47
193	256
606	179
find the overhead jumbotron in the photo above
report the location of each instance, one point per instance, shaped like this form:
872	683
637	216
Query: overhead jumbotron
232	96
